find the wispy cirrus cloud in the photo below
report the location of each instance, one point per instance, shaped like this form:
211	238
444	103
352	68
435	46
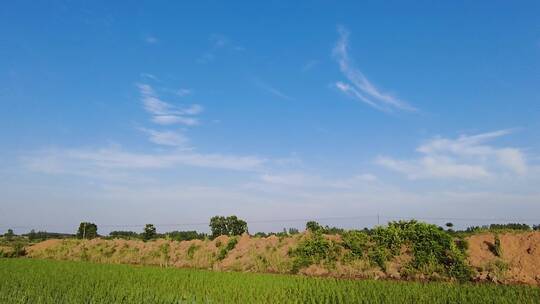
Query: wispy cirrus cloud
272	90
219	42
466	157
115	161
83	160
166	138
165	113
149	76
360	88
302	180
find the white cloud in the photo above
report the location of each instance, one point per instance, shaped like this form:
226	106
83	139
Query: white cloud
165	113
291	179
362	89
193	110
73	161
314	181
149	76
167	138
467	157
174	119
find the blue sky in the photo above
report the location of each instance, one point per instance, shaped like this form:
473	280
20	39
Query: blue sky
170	112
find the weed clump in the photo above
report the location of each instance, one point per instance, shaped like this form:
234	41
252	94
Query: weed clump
496	249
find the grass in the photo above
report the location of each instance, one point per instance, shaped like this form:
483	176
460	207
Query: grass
45	281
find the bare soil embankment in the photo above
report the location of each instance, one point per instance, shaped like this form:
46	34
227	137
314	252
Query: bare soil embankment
518	264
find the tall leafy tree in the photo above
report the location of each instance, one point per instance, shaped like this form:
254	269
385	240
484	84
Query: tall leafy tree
313	226
231	225
149	232
87	231
9	234
236	226
218	226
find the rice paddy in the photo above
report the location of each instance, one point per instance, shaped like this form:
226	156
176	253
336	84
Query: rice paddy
45	281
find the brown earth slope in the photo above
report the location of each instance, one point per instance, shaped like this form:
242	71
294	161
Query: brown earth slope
519	261
518	264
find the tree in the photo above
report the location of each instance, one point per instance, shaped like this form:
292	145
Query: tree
218	225
9	234
230	225
449	225
293	231
87	231
185	235
32	235
236	226
149	232
313	226
124	234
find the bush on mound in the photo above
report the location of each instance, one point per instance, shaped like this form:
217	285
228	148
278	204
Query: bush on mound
434	252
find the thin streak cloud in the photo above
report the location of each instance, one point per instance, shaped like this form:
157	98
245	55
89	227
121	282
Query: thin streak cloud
360	88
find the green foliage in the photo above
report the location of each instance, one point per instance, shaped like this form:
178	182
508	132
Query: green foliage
293	231
230	225
314	249
124	235
16	249
45	281
313	226
496	248
498	227
44	235
87	231
357	242
510	226
316	227
9	234
223	252
149	232
433	249
185	235
284	233
191	251
462	244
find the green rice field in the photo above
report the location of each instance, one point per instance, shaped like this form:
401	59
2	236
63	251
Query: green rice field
44	281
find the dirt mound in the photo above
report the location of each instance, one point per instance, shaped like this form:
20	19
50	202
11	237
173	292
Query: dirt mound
41	246
518	263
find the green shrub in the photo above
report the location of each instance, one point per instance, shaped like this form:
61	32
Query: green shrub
314	250
432	246
191	251
225	250
357	242
496	248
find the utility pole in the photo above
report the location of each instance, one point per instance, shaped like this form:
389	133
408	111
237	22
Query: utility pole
378	220
84	231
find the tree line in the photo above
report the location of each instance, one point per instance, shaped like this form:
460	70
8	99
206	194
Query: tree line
225	225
